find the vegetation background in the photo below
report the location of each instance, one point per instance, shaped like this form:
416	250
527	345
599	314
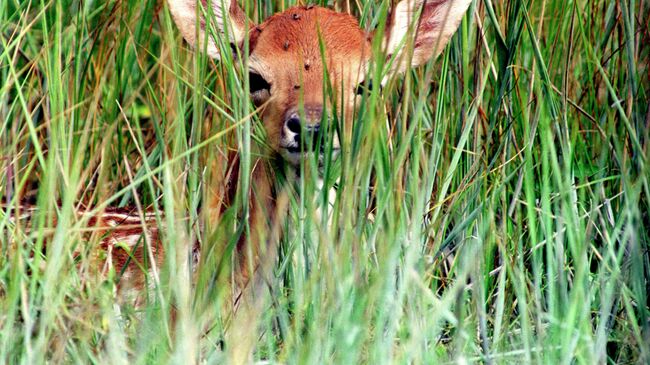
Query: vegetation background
492	206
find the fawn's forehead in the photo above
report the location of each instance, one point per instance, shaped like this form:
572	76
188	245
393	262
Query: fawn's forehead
295	36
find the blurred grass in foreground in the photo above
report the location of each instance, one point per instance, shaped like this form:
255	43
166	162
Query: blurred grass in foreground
491	207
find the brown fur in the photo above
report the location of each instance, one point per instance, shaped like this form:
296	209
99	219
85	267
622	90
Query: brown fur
286	52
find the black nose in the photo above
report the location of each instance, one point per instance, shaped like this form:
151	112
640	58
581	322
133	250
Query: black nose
295	125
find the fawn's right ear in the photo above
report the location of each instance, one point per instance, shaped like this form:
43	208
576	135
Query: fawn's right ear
225	16
428	34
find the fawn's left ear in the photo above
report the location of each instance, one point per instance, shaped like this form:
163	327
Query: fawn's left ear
190	17
438	21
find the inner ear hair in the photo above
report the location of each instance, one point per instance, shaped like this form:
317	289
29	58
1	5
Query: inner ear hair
437	23
229	18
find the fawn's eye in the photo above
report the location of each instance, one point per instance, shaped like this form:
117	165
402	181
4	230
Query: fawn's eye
259	88
256	82
364	86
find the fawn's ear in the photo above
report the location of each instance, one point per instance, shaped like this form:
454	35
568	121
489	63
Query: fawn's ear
438	21
225	16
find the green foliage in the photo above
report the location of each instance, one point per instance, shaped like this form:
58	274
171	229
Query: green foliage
491	206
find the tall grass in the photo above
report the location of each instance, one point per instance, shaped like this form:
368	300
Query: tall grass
490	207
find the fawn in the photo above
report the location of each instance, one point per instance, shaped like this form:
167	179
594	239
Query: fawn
286	79
287	56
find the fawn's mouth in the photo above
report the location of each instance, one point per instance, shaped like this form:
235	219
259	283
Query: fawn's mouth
316	146
296	153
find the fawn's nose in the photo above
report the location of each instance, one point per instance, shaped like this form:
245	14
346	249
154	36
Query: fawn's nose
307	122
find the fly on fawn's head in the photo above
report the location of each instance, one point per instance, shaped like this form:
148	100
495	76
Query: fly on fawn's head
295	55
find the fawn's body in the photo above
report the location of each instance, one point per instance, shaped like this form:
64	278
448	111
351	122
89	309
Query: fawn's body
286	79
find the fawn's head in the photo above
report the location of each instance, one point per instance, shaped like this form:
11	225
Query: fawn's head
289	52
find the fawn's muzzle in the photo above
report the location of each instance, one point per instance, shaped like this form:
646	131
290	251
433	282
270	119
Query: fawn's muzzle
301	129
